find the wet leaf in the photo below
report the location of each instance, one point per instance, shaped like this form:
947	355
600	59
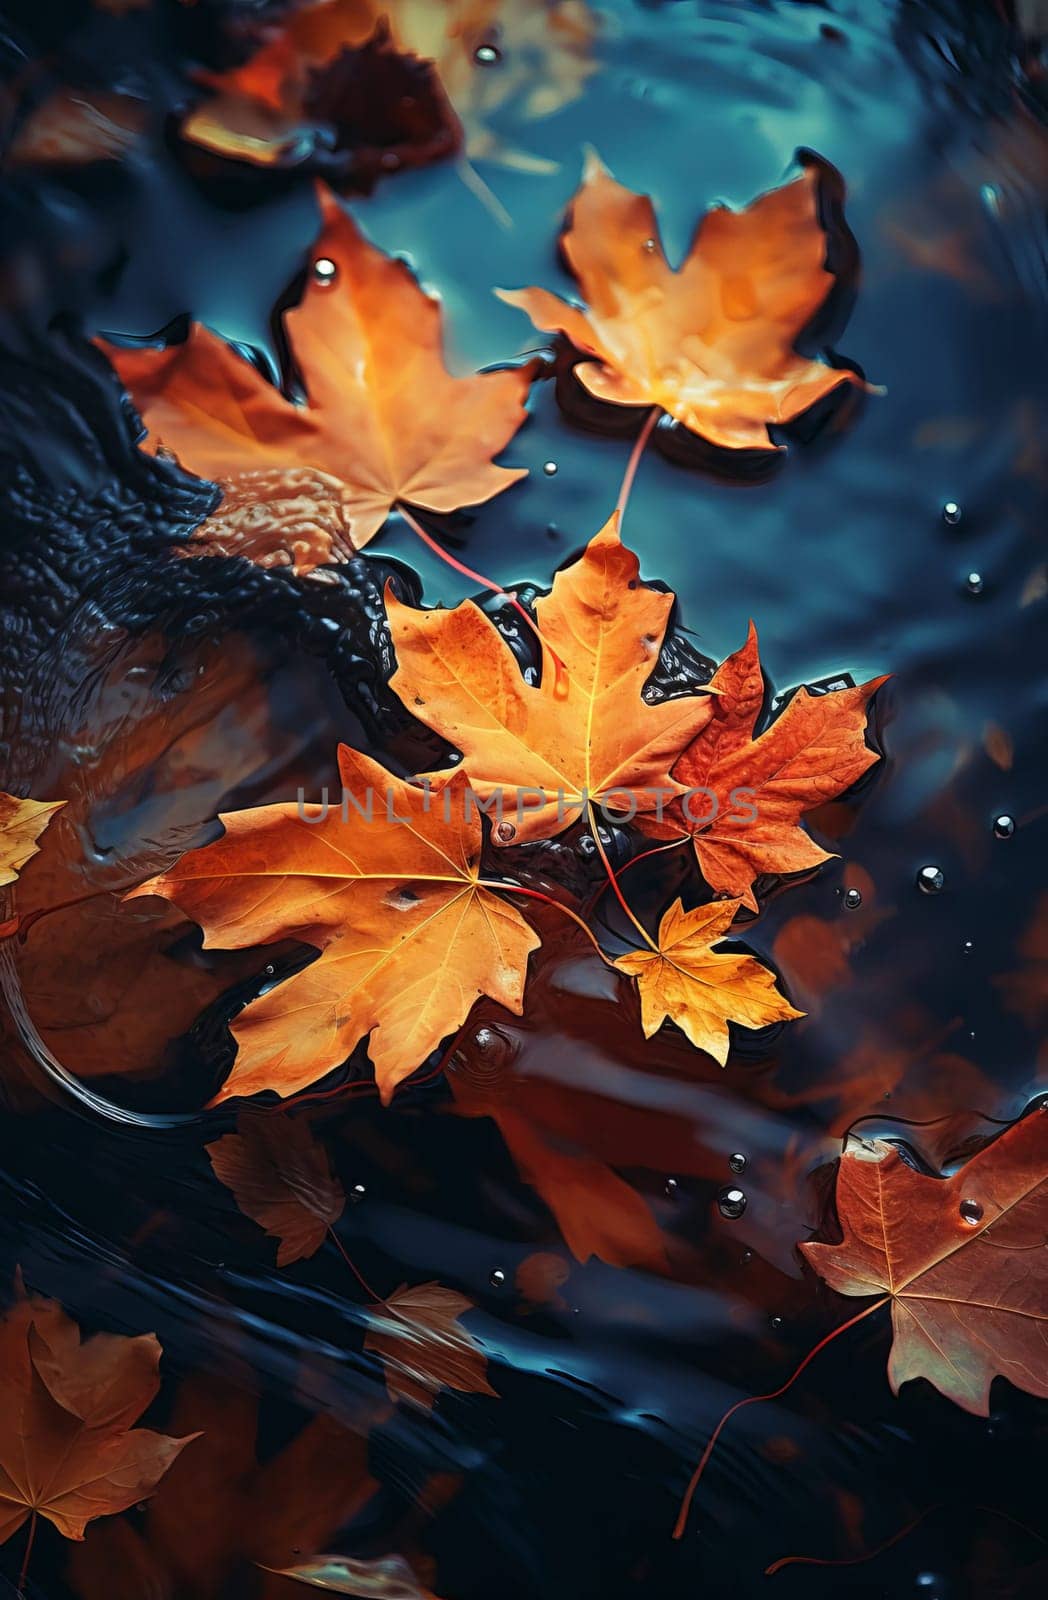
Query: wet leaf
418	1334
383	1578
21	824
69	1450
74	127
281	1178
585	732
385	418
408	937
699	988
758	788
278	517
964	1260
711	344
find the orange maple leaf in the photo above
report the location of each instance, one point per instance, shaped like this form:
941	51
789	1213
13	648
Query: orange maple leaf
585	733
712	343
281	1178
423	1345
813	751
409	936
699	988
385	418
68	1447
962	1258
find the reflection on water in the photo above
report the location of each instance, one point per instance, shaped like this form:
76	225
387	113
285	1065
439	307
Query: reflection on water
906	541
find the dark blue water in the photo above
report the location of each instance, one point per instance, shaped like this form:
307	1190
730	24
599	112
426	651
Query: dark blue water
568	1484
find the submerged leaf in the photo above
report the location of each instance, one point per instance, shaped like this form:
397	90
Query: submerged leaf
423	1346
713	343
281	1178
68	1447
21	824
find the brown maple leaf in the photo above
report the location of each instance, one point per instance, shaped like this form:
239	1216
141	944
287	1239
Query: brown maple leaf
713	343
68	1447
281	1178
385	418
814	750
21	824
699	988
964	1260
418	1334
409	937
585	733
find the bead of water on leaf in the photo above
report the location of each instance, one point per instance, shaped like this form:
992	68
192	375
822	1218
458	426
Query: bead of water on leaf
974	583
648	247
497	1278
487	55
357	1193
731	1203
1003	826
737	1162
671	1188
951	513
550	468
852	899
325	271
971	1212
930	880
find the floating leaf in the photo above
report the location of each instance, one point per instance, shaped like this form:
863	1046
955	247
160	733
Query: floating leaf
699	988
964	1260
418	1335
711	344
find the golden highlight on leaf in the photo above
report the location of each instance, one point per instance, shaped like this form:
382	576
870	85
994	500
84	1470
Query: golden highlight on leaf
963	1258
384	418
408	937
585	732
701	989
21	824
711	343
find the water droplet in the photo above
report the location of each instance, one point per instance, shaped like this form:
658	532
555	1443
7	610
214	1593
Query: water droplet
737	1162
672	1188
1003	826
747	1255
852	899
586	845
487	55
531	676
776	1323
927	1580
974	583
648	247
930	880
270	971
497	1278
550	468
483	1037
454	756
732	1203
967	947
971	1212
504	832
325	271
951	513
357	1193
